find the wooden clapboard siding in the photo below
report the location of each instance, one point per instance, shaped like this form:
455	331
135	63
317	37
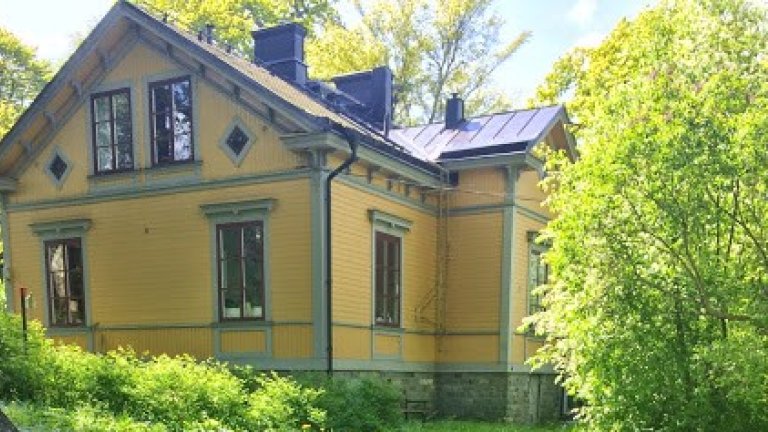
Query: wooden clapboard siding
479	187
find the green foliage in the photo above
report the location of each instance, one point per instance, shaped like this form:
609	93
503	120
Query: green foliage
477	426
79	419
22	76
658	311
281	405
74	388
367	403
234	19
434	48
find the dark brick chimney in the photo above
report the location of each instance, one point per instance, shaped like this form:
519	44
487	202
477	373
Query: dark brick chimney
281	50
454	111
373	89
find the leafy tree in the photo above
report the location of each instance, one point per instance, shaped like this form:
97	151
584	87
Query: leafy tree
234	19
433	48
22	76
657	315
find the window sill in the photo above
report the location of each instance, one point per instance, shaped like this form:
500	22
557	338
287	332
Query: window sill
388	328
108	176
65	330
239	323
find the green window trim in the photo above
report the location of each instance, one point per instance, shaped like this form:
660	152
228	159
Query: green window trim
67	235
64	228
233	216
389	221
538	272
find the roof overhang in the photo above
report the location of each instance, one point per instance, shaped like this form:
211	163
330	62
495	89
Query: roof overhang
369	151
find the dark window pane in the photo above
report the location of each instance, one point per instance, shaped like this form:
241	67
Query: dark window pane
101	109
58	167
237	140
387	279
64	265
121	107
161	99
232	300
163	148
182	96
182	147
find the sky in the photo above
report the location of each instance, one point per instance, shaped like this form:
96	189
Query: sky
53	26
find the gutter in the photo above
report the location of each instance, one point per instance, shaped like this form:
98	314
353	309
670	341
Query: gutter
352	141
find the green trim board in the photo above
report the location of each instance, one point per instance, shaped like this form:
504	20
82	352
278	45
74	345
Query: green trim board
331	142
69	110
7	256
511	176
381	192
317	226
162	189
254	326
389	221
386	332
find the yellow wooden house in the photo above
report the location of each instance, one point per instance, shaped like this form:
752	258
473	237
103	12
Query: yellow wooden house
166	194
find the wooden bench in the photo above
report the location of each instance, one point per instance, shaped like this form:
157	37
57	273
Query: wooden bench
415	408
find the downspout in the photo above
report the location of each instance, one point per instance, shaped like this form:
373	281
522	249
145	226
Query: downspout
328	246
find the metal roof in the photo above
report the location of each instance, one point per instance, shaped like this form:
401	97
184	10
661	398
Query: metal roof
501	133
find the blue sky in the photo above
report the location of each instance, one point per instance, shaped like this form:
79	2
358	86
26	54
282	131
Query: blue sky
557	26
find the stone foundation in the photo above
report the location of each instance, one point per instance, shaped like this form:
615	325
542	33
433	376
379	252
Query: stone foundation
516	397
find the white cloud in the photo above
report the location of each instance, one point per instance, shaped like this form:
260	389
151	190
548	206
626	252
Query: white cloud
582	12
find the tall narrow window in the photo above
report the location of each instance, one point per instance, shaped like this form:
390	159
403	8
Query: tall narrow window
387	279
111	130
538	274
171	120
241	270
64	274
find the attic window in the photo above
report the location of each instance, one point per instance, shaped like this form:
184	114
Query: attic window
58	167
237	140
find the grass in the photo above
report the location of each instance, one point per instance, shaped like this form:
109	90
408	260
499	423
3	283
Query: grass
476	426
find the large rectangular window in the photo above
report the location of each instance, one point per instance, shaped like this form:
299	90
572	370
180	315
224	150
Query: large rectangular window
64	274
240	258
112	131
171	120
538	274
388	279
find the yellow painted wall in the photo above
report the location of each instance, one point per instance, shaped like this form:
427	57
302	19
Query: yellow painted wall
80	340
196	342
292	341
149	258
469	348
215	113
351	343
474	271
479	187
353	261
529	193
522	346
243	341
387	344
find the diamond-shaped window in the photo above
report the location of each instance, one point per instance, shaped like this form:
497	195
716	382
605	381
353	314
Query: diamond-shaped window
237	140
58	167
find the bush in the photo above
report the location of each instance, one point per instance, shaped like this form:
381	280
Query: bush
281	404
178	393
80	419
367	403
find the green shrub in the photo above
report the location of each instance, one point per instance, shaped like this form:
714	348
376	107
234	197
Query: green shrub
282	404
23	375
179	391
82	418
367	403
